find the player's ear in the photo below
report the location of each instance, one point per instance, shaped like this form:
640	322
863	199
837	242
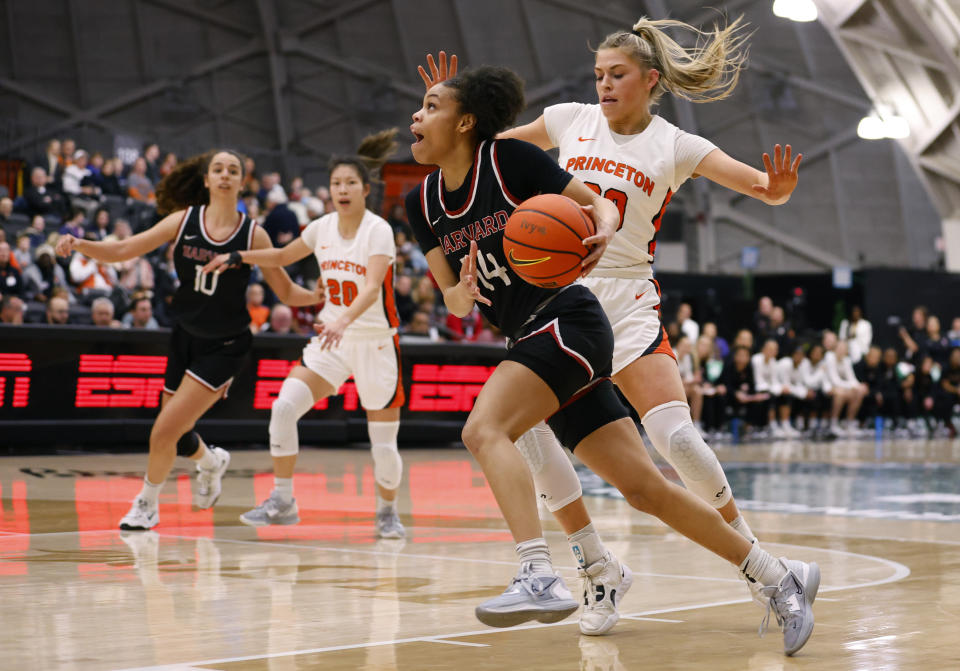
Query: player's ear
468	122
366	190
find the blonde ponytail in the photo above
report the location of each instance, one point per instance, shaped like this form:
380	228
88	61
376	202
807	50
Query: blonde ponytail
373	152
706	72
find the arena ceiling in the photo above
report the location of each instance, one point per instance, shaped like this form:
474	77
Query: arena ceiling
292	81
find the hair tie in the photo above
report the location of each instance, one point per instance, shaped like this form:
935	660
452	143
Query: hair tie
637	33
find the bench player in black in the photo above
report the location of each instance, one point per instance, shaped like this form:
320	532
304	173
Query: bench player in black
211	338
561	347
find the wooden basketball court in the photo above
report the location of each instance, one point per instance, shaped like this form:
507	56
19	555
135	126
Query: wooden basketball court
205	592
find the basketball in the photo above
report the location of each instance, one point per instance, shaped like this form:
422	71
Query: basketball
543	240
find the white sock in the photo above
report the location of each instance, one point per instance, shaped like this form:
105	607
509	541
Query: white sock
587	546
536	553
741	527
383	504
760	566
283	487
207	461
151	492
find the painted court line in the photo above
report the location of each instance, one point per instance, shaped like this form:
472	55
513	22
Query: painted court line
472	645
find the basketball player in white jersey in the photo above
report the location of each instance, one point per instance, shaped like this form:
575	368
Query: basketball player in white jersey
356	335
638	160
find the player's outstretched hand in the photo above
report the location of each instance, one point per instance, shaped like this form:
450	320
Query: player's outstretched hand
65	244
781	175
438	74
468	275
597	243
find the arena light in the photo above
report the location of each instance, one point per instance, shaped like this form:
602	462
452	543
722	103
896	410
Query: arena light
795	10
883	124
871	128
896	127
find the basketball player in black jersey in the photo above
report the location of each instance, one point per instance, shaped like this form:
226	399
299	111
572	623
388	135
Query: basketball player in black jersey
211	338
560	353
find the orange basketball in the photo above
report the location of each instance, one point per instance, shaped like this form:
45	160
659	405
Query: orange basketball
543	240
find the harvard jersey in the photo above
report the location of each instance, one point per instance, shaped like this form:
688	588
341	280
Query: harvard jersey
343	270
479	210
639	173
210	305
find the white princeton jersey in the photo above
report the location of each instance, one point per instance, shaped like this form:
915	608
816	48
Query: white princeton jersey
343	270
639	173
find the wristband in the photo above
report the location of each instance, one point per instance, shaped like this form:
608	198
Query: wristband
235	259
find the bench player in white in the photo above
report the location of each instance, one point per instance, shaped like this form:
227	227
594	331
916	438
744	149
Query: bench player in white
356	335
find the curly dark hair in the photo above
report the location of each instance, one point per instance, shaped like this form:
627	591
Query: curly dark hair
184	187
493	94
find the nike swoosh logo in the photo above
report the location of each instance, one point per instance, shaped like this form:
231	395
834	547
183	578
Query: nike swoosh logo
586	139
640	295
525	262
189	237
434	222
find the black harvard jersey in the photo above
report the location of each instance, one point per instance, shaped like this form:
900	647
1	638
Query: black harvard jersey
210	305
504	174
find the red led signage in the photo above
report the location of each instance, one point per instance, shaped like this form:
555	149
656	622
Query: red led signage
266	391
120	392
451	388
15	363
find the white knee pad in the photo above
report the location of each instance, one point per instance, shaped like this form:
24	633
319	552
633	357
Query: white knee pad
555	480
671	431
387	464
293	402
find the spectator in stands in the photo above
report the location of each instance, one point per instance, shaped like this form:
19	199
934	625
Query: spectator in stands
50	162
891	399
43	275
934	344
711	389
950	385
165	284
421	327
924	398
409	255
914	335
151	152
296	189
690	377
744	402
92	277
869	371
767	379
37	232
251	185
687	325
67	149
398	220
744	338
780	330
6	211
814	378
858	333
721	345
78	184
40	198
794	372
95	166
74	225
101	313
487	334
846	390
58	311
953	335
281	320
109	180
23	252
167	165
259	313
12	309
281	224
270	185
101	226
406	306
761	318
139	186
323	193
134	274
140	315
11	282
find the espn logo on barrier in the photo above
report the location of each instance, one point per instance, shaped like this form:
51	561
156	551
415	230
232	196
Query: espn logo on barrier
15	363
266	391
451	388
132	390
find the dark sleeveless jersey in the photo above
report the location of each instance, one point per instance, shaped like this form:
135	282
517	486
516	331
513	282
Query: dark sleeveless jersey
504	174
210	305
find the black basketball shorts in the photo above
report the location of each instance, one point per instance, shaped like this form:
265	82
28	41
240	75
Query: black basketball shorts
213	362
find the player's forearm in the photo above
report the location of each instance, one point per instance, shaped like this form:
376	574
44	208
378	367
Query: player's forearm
364	300
267	258
297	296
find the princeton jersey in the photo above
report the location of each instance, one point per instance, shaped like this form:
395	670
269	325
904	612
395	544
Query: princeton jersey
639	173
343	270
210	305
479	210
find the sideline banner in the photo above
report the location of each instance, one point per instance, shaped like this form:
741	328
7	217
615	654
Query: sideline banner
81	385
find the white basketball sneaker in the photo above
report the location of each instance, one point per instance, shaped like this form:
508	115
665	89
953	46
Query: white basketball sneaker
605	582
142	516
792	603
208	480
529	596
